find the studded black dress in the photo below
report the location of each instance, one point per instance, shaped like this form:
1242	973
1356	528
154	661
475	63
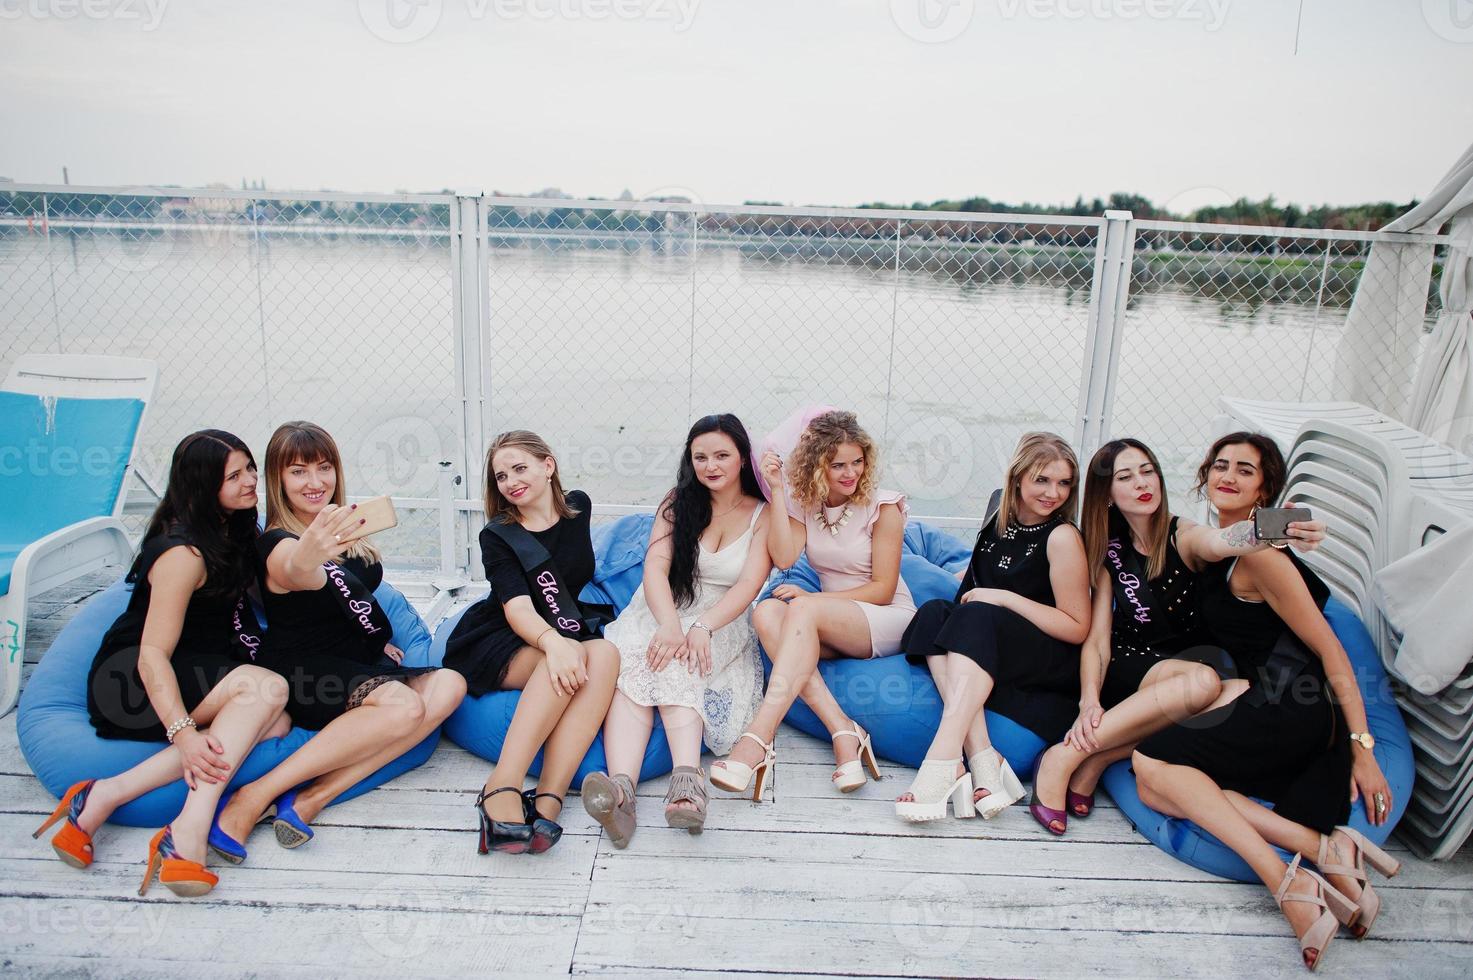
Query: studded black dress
1035	676
1154	619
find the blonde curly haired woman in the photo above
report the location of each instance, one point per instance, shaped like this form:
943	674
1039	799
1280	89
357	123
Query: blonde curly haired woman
852	534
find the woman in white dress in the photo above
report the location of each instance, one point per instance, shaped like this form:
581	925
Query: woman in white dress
686	643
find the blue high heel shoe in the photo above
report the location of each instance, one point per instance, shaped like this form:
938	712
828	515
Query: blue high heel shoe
291	830
222	843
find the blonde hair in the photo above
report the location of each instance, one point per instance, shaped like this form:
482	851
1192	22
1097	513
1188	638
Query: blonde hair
1035	451
305	442
808	466
497	506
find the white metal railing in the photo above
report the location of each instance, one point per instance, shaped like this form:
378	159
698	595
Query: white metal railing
415	326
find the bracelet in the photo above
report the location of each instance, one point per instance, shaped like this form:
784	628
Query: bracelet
700	625
179	726
538	642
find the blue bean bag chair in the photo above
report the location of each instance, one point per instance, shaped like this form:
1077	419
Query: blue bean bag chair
62	748
895	701
1190	843
479	725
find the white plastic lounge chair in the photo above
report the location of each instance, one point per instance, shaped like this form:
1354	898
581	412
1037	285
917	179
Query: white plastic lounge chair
69	429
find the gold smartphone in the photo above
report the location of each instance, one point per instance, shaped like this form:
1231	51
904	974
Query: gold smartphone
377	514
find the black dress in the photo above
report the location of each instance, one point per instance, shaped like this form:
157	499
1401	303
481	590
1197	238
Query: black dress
1284	739
1160	621
1035	676
330	652
219	633
483	643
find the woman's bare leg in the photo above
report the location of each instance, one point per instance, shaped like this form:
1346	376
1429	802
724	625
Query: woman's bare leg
793	634
441	691
1181	791
627	735
162	768
575	729
390	713
1171	691
967	689
259	699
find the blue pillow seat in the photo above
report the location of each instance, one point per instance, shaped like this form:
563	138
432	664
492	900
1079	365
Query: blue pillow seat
62	748
1187	842
896	702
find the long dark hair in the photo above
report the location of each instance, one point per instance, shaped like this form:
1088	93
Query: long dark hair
1095	520
191	504
688	506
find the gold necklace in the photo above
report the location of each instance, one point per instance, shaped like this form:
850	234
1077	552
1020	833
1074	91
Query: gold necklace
833	528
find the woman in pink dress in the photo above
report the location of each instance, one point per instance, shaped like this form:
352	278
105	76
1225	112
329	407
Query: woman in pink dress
852	533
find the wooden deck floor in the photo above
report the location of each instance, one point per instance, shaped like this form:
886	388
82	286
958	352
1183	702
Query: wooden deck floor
806	883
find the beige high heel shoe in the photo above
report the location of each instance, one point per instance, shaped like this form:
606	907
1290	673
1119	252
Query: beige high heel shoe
1330	862
990	771
935	784
735	777
1337	910
850	776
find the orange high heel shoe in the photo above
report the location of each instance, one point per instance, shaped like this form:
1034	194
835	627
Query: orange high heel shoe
185	878
72	844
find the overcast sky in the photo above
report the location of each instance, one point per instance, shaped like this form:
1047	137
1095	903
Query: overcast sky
1189	102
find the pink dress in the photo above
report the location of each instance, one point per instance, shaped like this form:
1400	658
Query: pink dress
845	561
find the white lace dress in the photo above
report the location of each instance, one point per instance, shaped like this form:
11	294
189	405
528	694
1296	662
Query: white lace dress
728	698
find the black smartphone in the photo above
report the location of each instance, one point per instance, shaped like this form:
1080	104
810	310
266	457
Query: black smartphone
1272	523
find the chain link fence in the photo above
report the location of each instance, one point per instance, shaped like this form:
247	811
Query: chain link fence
414	327
257	311
1239	312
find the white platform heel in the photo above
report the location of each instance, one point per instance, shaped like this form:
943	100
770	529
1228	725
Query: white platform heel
990	771
735	777
935	784
850	776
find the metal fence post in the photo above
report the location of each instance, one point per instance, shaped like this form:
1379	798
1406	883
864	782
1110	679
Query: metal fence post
471	328
1115	252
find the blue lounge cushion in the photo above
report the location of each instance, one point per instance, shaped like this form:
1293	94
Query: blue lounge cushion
896	701
62	460
62	748
1190	843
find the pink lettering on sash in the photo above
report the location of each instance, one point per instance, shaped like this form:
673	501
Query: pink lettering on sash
547	582
1130	584
359	607
250	641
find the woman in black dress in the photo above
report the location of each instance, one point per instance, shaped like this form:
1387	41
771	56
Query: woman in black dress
531	635
176	664
330	639
1145	663
1291	731
1010	640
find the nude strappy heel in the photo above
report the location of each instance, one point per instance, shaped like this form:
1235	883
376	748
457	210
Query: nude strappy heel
935	784
735	777
850	776
990	771
1337	909
1369	902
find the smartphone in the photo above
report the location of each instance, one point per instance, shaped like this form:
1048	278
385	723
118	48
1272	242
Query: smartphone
377	514
1272	523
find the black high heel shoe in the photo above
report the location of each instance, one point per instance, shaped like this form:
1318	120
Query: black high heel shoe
503	835
545	832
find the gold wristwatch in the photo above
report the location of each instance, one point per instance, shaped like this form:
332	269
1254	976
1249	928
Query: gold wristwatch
1366	739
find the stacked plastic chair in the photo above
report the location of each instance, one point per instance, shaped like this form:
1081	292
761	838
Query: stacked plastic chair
1359	482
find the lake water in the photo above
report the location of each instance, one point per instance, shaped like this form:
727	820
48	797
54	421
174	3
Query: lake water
610	352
